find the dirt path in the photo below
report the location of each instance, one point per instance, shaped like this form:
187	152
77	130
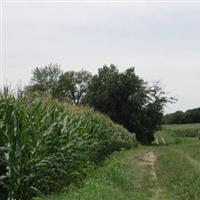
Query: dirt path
148	161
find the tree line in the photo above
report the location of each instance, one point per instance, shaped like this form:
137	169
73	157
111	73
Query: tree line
123	96
180	117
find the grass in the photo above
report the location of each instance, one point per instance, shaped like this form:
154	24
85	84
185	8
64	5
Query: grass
178	163
183	130
119	179
182	126
167	138
178	175
192	150
123	177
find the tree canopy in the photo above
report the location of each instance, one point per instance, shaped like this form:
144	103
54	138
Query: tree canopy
180	117
44	80
73	85
128	100
125	97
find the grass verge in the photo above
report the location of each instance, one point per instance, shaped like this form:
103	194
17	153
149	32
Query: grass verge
179	174
119	179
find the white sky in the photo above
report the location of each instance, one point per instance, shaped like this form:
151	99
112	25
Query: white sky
162	40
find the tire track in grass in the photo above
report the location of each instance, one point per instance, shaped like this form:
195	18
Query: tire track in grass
178	173
148	161
195	163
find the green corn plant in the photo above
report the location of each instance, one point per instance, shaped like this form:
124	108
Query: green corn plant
46	145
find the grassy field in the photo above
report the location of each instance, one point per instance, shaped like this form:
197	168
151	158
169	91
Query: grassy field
183	130
167	170
182	126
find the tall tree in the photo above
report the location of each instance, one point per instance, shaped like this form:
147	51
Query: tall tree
128	100
45	79
73	85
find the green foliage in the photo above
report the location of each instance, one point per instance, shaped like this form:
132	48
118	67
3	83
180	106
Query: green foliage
69	86
72	86
118	179
128	100
45	80
179	117
123	96
46	145
129	175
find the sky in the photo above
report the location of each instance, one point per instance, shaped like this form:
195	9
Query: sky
161	39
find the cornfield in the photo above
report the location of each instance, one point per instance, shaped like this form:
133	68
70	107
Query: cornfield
47	145
184	130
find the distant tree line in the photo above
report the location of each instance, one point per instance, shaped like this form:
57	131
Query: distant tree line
123	96
180	117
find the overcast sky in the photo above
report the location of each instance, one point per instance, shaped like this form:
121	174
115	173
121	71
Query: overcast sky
162	41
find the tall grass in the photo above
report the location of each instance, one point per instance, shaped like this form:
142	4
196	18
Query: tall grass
177	165
118	179
46	145
179	175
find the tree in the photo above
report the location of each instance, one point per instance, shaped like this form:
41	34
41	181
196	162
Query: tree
44	80
72	86
180	117
151	114
128	100
175	118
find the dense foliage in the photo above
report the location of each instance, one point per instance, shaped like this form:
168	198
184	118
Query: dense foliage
72	86
128	100
179	117
123	96
69	86
46	145
44	80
